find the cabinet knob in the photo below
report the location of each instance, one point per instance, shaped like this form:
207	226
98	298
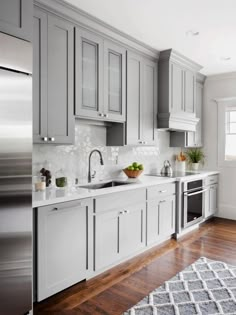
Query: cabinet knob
161	201
51	139
45	139
121	212
55	209
126	211
162	191
101	114
105	115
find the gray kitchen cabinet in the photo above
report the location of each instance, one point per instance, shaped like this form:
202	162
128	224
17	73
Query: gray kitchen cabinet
53	85
191	138
177	91
120	227
100	81
211	196
114	82
64	245
141	100
161	214
16	18
88	74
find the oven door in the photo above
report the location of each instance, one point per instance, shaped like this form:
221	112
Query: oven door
192	207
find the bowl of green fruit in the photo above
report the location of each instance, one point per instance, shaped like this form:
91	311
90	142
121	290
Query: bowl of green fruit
133	170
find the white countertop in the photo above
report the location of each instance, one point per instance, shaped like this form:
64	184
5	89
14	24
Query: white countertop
57	195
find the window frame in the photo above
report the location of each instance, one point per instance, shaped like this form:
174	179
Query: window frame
223	108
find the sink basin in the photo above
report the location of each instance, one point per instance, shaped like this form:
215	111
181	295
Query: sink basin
112	183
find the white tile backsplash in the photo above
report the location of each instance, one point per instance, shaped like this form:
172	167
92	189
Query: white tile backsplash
73	159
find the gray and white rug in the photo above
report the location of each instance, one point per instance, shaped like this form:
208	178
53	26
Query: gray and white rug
205	287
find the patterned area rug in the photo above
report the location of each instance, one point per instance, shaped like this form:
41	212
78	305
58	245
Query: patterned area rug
205	287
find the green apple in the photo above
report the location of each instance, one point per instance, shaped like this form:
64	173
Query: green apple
140	167
135	164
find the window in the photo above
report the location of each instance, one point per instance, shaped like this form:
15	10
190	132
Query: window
227	132
230	134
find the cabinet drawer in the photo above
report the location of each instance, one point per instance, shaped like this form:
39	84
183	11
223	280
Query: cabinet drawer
161	190
68	205
210	180
120	199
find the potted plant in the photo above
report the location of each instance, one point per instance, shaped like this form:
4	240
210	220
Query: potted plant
195	156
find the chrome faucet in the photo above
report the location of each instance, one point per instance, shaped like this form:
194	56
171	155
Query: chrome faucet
89	168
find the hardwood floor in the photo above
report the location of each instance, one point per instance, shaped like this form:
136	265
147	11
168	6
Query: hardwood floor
118	289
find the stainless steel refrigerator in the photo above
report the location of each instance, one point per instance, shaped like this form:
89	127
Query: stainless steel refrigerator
15	176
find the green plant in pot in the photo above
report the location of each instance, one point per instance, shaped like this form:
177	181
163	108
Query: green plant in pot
195	156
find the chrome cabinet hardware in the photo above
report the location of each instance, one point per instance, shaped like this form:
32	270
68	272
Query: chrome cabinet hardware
101	114
55	209
162	191
52	139
161	201
105	115
45	139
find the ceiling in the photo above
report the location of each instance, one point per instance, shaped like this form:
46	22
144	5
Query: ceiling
163	24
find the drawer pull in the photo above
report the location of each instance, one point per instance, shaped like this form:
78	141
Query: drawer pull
121	212
162	191
161	201
55	209
126	211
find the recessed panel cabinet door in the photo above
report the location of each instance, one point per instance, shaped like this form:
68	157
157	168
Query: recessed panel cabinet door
114	82
40	76
16	18
88	74
160	219
213	199
106	246
149	107
64	246
189	91
166	212
134	98
176	88
199	103
132	237
60	80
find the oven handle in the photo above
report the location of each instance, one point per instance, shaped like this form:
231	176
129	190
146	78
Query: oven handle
195	193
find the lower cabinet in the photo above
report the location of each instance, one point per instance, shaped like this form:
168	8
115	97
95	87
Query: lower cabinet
211	197
119	231
160	219
64	245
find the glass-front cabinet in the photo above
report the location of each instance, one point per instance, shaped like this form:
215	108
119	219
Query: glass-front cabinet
100	85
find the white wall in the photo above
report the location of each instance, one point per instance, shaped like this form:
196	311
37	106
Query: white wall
221	86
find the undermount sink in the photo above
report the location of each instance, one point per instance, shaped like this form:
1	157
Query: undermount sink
109	184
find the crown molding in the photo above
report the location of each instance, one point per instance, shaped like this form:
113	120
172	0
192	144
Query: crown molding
83	19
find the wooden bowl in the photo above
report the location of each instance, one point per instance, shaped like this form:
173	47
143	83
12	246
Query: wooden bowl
132	174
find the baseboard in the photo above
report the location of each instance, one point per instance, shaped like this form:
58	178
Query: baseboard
227	212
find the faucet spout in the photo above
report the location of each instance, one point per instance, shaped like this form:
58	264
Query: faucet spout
89	164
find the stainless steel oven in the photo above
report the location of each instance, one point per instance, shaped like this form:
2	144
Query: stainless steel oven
193	198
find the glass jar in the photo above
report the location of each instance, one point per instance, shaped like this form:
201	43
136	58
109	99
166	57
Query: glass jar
39	183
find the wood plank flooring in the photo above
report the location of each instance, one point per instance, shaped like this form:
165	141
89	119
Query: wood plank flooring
118	289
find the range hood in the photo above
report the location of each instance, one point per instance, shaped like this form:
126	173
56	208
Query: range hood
177	79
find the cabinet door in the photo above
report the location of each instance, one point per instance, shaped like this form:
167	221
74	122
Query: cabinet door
60	81
39	76
166	213
134	98
132	229
106	239
207	203
88	75
199	102
149	102
64	246
114	82
213	199
16	18
160	219
189	91
176	88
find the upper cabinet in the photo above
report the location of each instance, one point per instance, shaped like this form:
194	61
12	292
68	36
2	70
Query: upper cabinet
141	100
53	80
16	18
191	138
100	81
177	92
